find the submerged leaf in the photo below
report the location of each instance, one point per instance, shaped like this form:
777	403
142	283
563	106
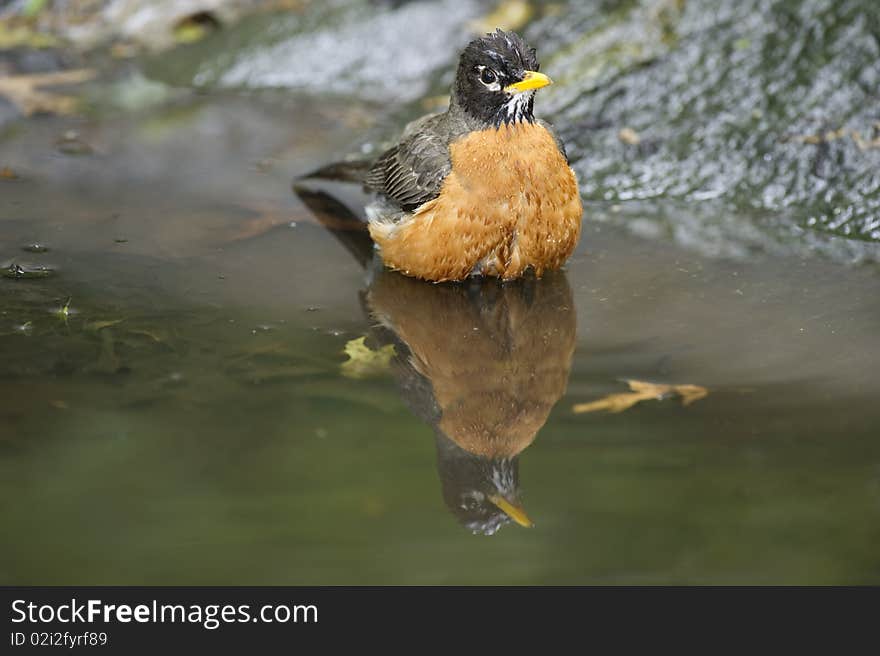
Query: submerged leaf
363	362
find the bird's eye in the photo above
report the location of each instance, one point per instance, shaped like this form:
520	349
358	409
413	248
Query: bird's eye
488	76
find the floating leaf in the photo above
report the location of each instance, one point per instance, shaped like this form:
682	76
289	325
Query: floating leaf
364	362
690	393
64	311
642	391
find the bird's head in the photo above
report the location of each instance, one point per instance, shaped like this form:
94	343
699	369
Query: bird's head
497	78
482	492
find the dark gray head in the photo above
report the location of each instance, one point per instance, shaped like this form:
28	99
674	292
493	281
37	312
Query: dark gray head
482	493
497	78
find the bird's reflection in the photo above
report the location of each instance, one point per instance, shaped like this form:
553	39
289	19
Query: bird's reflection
483	363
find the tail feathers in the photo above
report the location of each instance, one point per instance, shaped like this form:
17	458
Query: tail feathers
348	171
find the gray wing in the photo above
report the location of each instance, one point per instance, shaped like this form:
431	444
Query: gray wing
559	143
412	172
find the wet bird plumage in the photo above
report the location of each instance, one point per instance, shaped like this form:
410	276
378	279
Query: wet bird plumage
483	188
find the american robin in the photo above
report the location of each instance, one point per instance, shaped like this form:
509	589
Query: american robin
484	188
485	383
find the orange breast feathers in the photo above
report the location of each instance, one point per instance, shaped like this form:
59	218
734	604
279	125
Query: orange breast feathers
511	202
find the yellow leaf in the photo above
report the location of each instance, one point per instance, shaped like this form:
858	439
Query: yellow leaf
642	391
611	403
363	362
64	311
690	393
652	390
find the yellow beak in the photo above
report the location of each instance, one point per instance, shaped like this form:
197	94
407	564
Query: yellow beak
516	513
531	80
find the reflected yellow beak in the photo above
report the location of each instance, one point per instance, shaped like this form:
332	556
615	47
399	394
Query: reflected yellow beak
516	513
531	80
